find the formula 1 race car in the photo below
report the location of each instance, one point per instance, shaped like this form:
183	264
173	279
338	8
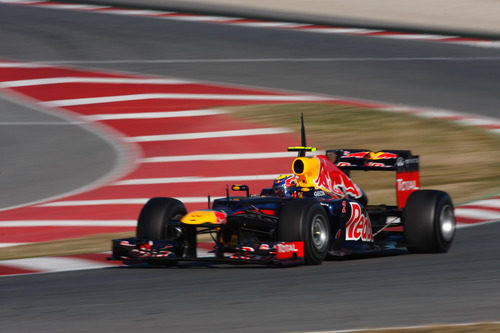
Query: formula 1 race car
315	213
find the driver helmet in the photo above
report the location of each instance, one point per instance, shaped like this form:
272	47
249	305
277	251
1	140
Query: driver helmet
285	186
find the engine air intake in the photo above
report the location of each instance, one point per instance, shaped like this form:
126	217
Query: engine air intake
298	166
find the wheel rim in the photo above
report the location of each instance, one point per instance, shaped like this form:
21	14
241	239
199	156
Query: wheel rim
319	232
447	223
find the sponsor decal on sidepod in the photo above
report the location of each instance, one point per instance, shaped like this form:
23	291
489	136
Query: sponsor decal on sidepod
340	184
359	225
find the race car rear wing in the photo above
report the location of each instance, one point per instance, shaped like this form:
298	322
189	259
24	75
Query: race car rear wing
403	162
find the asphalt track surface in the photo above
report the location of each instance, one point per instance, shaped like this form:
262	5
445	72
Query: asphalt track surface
37	159
460	286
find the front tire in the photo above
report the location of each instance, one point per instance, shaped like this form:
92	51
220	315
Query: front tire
429	221
305	220
153	224
153	219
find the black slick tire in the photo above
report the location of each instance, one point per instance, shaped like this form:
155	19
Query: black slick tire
429	221
153	219
306	220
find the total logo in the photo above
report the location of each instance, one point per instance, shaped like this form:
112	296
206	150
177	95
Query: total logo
289	250
406	185
286	248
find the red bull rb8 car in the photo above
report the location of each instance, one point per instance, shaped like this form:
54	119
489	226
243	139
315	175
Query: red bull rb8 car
312	214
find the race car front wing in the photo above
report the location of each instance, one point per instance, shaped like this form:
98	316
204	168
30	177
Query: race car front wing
135	250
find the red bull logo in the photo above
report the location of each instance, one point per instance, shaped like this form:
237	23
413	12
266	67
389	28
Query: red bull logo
221	217
375	165
359	226
348	154
334	180
205	216
382	156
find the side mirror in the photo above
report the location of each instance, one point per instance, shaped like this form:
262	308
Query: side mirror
241	188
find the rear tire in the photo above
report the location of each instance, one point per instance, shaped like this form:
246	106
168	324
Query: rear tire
429	221
305	220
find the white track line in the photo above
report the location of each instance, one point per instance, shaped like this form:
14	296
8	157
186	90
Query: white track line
24	2
432	113
42	123
486	44
462	225
154	115
491	203
252	60
195	18
207	135
340	30
126	12
431	327
9	245
217	157
55	264
286	25
106	202
178	180
22	65
98	80
40	3
450	116
477	122
476	213
415	36
68	223
136	97
73	6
